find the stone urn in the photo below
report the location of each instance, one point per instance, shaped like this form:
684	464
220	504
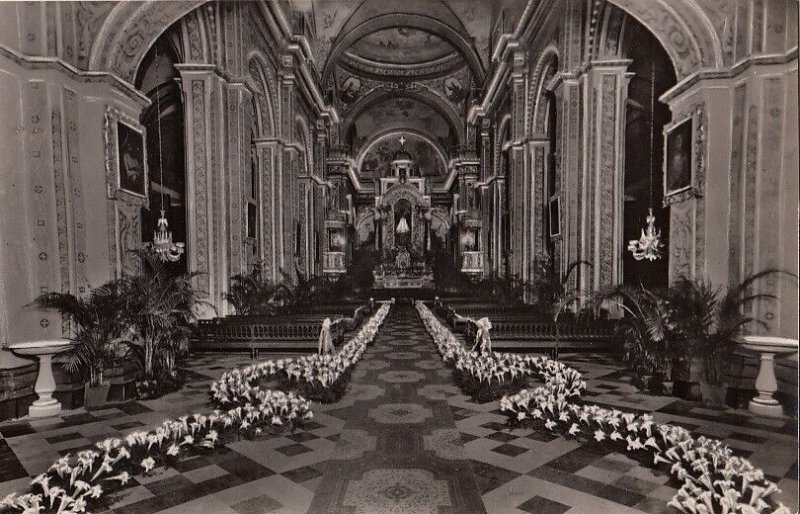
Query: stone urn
767	347
43	350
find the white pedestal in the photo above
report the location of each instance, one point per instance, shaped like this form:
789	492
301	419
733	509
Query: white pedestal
766	384
46	405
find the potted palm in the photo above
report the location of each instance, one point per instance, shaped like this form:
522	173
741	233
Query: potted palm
160	308
96	324
253	293
708	321
645	330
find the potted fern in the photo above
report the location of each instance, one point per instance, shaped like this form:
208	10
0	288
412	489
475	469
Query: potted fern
708	321
97	325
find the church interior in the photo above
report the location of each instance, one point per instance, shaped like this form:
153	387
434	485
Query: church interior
362	256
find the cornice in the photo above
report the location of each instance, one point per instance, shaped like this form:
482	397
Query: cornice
731	72
376	70
87	77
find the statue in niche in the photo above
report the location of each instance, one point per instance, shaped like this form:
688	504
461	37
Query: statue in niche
333	198
402	222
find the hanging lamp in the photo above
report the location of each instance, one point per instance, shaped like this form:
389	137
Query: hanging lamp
162	244
649	244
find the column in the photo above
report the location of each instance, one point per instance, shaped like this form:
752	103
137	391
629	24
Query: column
538	150
268	154
205	181
519	179
287	179
605	172
744	177
571	168
241	253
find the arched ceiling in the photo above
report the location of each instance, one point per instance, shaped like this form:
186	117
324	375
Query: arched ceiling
406	67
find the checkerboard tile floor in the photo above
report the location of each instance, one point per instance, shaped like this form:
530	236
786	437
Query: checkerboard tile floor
515	471
522	470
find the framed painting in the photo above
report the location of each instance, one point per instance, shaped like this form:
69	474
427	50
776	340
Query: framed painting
126	156
678	158
554	216
131	159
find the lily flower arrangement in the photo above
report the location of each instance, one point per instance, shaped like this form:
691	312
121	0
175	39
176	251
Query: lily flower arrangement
487	375
318	377
74	483
714	480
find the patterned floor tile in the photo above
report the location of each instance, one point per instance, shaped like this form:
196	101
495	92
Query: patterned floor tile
258	505
540	505
458	449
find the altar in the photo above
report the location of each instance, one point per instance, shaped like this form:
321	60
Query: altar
402	223
403	273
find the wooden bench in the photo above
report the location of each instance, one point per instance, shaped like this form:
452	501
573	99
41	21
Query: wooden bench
512	330
272	333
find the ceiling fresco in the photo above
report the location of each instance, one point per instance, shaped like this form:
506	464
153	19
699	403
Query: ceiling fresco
375	163
401	45
476	16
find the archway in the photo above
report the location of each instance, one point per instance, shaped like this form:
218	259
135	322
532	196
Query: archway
653	74
164	124
430	16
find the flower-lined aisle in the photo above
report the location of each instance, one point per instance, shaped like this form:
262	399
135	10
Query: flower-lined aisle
321	378
714	480
74	484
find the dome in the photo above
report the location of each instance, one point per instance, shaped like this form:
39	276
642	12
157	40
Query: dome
402	155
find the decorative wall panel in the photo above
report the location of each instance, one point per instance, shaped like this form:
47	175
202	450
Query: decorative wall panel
60	189
79	257
200	182
34	100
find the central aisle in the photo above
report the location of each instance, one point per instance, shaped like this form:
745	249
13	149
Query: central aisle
400	451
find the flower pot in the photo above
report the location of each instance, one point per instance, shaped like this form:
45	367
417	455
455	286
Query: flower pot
655	384
687	375
95	397
714	394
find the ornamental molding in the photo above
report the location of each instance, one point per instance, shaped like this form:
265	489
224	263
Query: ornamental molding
80	76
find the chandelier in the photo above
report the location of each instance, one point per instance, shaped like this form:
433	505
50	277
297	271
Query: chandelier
162	244
649	245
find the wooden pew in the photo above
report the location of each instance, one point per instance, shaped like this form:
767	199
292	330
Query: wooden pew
516	328
273	333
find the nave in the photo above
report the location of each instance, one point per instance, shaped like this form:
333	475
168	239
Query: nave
402	439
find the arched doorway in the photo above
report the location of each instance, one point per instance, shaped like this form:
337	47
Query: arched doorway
164	123
653	73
